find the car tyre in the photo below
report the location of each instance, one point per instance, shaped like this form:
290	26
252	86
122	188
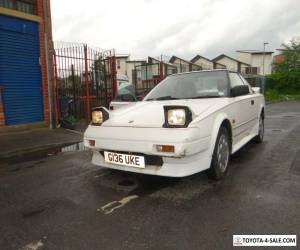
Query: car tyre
261	131
221	155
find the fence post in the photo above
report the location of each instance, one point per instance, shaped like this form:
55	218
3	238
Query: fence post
114	76
55	89
86	83
161	71
106	64
74	89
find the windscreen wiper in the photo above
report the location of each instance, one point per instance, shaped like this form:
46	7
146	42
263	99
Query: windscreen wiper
163	98
205	96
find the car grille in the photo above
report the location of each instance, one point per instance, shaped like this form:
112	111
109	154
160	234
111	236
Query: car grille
149	159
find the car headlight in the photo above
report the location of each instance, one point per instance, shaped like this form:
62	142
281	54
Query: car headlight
176	117
97	117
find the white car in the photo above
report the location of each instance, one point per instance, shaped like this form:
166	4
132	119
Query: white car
189	122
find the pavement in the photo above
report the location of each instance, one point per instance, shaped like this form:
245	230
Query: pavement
27	143
64	202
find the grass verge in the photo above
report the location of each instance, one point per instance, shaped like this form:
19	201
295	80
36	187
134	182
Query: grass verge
274	96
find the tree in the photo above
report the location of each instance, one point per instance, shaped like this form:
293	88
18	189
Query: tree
290	56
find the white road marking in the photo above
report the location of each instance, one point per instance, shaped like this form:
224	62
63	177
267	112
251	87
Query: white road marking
110	207
33	245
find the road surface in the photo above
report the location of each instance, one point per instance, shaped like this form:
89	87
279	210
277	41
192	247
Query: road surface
63	202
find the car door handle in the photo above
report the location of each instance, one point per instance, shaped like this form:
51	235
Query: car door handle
252	102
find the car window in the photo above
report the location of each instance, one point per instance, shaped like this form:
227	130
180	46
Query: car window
235	80
247	83
192	85
125	92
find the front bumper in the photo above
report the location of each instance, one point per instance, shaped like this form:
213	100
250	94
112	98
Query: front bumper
191	153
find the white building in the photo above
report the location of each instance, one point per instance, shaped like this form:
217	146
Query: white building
231	63
121	65
206	63
256	58
126	67
131	67
184	65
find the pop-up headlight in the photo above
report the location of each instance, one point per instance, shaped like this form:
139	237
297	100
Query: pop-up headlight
177	116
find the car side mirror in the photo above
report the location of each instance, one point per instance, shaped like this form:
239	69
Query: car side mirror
239	90
256	90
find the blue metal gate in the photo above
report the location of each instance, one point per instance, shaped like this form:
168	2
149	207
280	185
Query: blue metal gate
20	71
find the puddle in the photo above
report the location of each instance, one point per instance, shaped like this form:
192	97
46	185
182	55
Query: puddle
277	130
30	213
148	185
290	116
127	183
42	153
39	208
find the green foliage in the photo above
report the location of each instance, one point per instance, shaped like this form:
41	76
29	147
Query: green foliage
285	79
286	82
291	57
272	95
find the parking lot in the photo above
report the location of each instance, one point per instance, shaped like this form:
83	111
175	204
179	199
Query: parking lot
64	202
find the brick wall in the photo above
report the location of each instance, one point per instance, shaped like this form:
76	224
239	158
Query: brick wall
40	13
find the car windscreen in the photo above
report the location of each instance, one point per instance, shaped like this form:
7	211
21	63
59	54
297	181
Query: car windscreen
125	92
205	84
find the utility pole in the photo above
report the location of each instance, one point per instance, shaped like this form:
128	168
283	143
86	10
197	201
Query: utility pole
264	79
265	43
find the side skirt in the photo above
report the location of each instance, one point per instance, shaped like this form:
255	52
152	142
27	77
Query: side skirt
242	142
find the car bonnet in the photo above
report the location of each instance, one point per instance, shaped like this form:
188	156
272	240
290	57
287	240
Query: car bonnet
151	113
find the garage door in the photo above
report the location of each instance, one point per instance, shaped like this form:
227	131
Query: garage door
20	72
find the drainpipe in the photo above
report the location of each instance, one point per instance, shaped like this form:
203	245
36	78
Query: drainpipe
49	83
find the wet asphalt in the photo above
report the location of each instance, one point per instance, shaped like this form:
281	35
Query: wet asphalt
63	202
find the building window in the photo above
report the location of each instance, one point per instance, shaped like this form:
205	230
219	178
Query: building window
118	64
252	70
27	6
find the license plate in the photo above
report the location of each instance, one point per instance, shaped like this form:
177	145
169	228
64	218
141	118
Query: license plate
124	159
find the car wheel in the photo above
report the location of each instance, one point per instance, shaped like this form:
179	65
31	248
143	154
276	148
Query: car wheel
221	155
261	131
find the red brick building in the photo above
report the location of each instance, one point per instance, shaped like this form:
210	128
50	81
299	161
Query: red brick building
25	62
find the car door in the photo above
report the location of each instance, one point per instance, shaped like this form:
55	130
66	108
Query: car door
255	104
241	110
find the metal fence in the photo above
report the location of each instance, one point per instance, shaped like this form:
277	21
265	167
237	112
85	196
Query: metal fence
148	75
85	77
257	81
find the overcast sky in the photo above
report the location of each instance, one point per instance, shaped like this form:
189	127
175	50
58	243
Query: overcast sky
176	27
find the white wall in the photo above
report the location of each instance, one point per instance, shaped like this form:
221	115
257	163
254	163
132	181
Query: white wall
121	62
257	61
244	57
130	67
230	64
182	66
204	63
